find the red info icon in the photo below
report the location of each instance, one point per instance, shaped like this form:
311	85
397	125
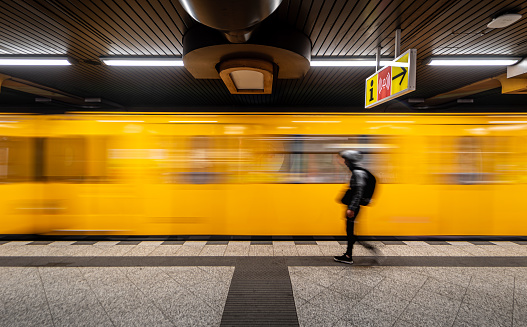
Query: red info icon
384	83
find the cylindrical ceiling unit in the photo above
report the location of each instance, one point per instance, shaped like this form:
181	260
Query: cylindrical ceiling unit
236	19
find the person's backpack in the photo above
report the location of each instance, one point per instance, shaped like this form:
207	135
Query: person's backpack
369	189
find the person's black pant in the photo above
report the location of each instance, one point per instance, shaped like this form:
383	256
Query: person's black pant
350	232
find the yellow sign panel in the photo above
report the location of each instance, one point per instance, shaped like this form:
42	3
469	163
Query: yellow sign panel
394	80
371	90
400	75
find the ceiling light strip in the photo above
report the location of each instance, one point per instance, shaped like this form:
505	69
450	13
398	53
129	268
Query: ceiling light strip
347	63
21	61
143	62
472	61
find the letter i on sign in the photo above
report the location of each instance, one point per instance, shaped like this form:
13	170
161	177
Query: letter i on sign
371	87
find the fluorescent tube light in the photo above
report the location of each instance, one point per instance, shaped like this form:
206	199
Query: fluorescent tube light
348	63
472	61
150	62
34	61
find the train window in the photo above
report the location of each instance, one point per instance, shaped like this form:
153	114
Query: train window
466	160
315	159
16	164
65	159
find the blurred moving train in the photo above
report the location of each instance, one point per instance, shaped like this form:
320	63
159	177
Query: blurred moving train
260	174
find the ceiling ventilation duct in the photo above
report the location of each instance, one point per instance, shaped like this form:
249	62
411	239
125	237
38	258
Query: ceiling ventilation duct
236	19
248	59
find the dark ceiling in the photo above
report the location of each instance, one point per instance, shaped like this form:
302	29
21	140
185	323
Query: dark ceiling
86	30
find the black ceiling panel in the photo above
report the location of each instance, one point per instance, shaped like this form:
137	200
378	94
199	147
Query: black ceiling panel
86	30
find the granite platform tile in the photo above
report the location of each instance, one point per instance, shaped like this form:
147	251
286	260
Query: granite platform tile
23	297
222	274
103	250
453	251
351	288
70	298
499	251
460	243
369	276
408	275
498	300
150	243
387	302
404	250
211	292
34	314
308	250
145	277
106	243
165	250
237	248
139	251
190	250
444	288
416	243
331	250
328	243
173	298
310	315
364	315
261	250
186	309
520	291
284	250
430	314
324	276
505	243
490	278
213	251
405	323
429	250
470	315
480	251
397	288
16	243
124	303
335	303
61	243
360	251
14	251
305	289
187	275
520	316
460	276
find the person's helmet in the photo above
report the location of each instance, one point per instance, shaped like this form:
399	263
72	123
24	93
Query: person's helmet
351	155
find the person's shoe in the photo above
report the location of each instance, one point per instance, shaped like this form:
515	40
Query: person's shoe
344	259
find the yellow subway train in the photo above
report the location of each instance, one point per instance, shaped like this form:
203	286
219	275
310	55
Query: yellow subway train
260	173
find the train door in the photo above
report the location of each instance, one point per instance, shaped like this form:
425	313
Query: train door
20	204
509	167
464	154
185	178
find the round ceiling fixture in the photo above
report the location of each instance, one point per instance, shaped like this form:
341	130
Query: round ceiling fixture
504	20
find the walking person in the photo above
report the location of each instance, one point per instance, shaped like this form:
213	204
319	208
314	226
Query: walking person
362	185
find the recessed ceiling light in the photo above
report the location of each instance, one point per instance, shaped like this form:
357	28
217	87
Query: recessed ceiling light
145	62
472	61
504	20
34	61
348	62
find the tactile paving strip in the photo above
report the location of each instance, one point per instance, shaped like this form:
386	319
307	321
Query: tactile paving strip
260	295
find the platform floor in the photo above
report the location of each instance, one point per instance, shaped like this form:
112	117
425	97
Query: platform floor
266	283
